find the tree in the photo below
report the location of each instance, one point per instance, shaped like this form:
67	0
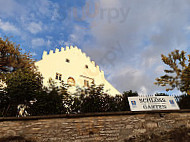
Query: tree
67	99
47	103
114	102
125	103
22	86
18	72
11	57
4	102
184	101
94	99
178	76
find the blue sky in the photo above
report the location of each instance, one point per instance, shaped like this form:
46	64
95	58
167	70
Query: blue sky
124	37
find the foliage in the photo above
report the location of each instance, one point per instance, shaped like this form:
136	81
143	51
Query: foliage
95	100
47	103
22	87
11	57
57	100
4	102
70	102
125	103
18	72
23	84
178	76
184	101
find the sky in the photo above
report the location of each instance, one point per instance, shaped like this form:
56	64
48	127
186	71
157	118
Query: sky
124	37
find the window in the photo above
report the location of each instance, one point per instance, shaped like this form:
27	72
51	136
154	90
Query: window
58	76
86	66
67	60
86	83
71	81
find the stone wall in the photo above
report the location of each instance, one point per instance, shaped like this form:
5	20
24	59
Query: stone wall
93	127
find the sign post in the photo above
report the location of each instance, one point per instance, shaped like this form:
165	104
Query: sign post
148	103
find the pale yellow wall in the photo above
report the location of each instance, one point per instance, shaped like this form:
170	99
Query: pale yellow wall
53	63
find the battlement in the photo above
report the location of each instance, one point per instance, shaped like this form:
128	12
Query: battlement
73	49
67	48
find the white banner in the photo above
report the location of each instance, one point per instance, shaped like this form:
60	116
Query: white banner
152	103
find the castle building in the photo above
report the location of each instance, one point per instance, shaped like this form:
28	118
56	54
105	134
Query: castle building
73	67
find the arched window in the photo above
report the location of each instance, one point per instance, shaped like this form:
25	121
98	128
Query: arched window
71	81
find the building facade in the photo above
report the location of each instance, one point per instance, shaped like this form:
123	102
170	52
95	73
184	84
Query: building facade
73	67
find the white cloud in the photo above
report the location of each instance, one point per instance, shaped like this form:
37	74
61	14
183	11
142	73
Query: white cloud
33	54
151	28
67	43
187	28
35	27
8	27
55	13
49	43
159	70
37	42
143	91
44	6
10	8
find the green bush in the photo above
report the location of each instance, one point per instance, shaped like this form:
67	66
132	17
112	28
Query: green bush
184	101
